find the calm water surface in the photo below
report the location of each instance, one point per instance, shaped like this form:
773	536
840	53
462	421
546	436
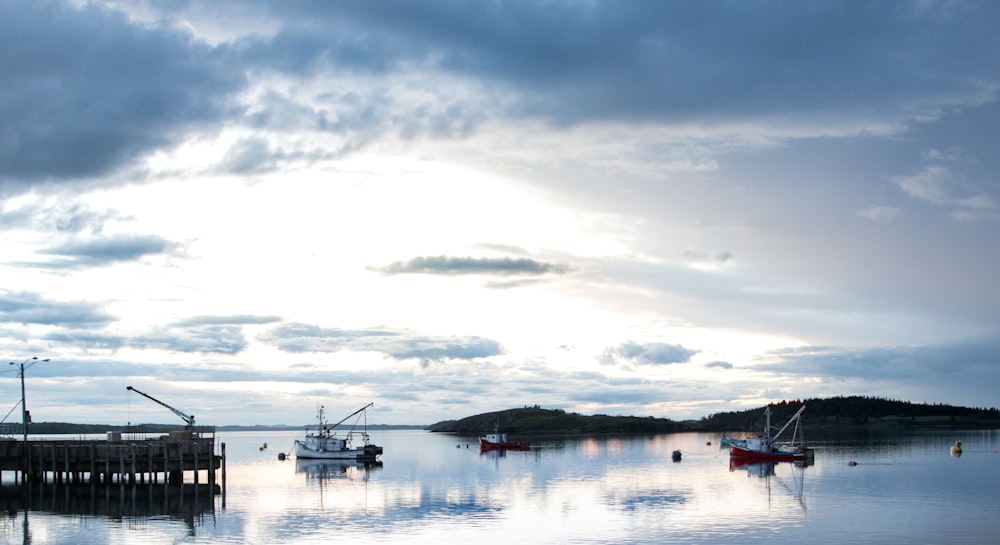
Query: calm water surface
904	488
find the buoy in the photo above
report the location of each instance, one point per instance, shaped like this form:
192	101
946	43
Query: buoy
852	463
281	455
676	456
956	449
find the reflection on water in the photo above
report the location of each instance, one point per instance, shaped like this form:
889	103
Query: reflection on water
335	469
790	481
134	504
564	490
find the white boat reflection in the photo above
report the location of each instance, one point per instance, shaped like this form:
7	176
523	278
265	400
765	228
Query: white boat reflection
335	469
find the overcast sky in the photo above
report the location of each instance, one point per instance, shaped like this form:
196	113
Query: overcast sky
250	209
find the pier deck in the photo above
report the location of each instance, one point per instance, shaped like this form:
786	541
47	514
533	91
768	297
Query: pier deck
113	459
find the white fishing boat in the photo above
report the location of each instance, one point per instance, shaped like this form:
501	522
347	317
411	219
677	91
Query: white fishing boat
326	444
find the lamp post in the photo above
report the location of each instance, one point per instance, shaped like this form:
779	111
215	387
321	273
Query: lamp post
24	409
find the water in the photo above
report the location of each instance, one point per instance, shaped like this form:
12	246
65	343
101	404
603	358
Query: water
430	488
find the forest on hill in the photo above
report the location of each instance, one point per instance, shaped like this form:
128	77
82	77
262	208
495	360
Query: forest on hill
835	411
855	411
536	420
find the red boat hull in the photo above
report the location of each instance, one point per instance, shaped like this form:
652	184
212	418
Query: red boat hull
507	445
758	456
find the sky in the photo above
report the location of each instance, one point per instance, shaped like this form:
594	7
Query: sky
251	209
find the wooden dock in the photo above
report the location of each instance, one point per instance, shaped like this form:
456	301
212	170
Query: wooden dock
114	460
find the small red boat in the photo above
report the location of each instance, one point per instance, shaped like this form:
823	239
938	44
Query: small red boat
499	441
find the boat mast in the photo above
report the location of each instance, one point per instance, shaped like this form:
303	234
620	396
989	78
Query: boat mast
767	425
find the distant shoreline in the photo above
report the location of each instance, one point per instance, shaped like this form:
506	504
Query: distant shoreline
65	428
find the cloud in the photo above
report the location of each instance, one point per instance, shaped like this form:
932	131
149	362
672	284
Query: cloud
701	260
234	319
205	340
880	213
647	354
61	216
398	344
719	365
31	308
941	185
443	265
102	251
928	372
77	107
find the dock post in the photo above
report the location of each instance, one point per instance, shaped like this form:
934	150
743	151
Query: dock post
223	470
131	476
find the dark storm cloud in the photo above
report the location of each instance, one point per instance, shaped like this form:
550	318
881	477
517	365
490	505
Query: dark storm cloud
30	308
572	62
469	265
396	344
85	90
647	353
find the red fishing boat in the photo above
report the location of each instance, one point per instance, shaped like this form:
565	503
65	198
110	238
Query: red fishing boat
499	441
765	448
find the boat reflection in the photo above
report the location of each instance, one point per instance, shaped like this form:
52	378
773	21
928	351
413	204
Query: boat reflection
335	469
753	469
768	470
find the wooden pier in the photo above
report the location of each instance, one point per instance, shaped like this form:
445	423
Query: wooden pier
114	460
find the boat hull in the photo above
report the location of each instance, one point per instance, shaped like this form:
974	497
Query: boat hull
748	454
366	453
504	445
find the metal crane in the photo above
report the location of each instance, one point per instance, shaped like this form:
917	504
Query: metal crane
188	419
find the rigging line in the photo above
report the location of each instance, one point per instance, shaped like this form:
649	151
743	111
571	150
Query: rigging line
10	411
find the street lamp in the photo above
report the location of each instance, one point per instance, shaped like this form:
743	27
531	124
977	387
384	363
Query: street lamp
24	409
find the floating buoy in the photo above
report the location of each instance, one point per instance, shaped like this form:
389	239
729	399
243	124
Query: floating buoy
852	463
281	455
676	456
956	449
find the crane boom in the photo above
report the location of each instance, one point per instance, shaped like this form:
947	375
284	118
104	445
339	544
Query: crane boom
352	414
186	418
